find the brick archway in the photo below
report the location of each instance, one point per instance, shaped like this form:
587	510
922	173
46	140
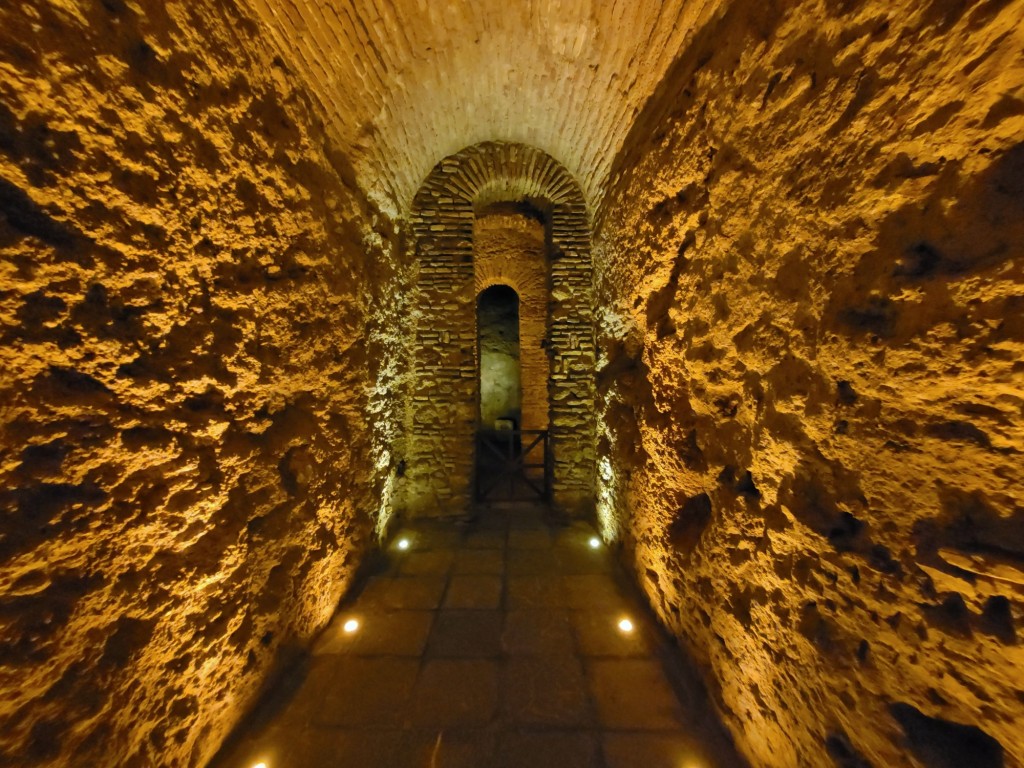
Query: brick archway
442	417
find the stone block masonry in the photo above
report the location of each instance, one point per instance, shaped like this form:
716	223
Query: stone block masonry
443	416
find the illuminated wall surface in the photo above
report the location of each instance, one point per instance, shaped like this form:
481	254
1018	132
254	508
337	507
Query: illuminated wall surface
791	386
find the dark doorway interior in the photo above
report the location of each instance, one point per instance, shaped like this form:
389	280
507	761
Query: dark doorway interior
511	464
498	335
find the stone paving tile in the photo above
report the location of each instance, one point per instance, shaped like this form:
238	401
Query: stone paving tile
456	693
435	562
474	591
549	749
493	646
533	562
465	634
331	748
576	558
397	633
529	538
645	750
448	748
597	634
485	539
595	591
413	592
546	691
370	692
537	632
534	592
633	694
480	561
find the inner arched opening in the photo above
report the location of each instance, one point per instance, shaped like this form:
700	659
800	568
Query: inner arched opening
498	339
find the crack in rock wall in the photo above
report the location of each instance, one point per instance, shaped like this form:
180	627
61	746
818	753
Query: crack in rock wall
812	397
194	314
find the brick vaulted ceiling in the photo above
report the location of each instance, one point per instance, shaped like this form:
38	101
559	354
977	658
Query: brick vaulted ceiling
404	83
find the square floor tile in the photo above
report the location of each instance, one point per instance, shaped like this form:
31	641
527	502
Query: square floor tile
465	633
594	591
597	634
474	591
545	691
414	592
485	539
548	749
533	562
480	561
331	748
453	693
534	592
539	538
644	750
448	748
368	692
436	562
537	632
633	694
383	633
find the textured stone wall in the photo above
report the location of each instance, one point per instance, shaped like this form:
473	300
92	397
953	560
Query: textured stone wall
443	373
812	395
184	457
511	250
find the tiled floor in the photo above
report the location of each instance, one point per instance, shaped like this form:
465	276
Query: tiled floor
487	646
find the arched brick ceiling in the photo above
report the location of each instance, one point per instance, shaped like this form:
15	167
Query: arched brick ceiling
405	83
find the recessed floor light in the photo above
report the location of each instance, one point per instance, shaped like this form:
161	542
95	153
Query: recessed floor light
595	542
403	543
351	626
626	625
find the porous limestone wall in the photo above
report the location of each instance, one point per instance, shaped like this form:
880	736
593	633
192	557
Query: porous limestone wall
184	457
810	375
443	370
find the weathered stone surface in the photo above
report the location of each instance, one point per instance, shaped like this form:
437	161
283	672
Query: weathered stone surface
221	378
185	295
810	262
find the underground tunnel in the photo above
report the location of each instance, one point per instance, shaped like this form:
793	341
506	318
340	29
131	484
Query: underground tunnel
564	382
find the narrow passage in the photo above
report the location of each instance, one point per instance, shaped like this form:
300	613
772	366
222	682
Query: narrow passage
501	645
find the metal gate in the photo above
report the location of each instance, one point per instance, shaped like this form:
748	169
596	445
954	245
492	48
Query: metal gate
513	465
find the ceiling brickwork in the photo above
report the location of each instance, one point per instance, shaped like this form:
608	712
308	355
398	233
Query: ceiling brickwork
404	83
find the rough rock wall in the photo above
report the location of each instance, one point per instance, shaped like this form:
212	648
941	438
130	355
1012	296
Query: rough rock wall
812	396
185	283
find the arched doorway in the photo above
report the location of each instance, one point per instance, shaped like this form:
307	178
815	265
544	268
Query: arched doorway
500	389
466	200
511	461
